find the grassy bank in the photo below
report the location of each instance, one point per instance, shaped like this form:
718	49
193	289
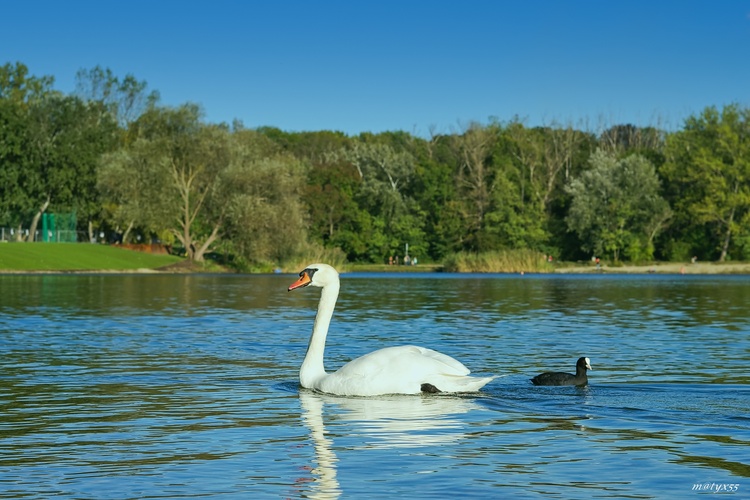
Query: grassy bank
83	257
659	268
60	257
385	268
501	261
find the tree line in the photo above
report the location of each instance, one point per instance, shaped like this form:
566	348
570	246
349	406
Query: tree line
133	169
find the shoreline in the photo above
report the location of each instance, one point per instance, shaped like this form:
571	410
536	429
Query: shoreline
702	268
699	268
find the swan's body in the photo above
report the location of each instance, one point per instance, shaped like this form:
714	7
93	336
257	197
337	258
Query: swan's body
393	370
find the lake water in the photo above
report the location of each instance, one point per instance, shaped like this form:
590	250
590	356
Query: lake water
185	386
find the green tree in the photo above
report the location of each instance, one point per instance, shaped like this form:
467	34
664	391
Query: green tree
73	135
212	189
175	146
329	196
312	147
495	178
616	206
13	159
628	139
385	221
134	182
124	99
21	146
51	145
474	178
262	195
543	160
708	169
435	191
17	86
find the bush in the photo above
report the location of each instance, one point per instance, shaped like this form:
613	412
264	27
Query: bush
500	261
678	251
314	253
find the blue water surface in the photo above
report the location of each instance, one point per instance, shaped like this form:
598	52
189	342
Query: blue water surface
185	386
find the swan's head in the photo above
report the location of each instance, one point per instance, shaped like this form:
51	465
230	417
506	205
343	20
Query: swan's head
315	275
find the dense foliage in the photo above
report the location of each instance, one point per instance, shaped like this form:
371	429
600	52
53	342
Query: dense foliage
134	170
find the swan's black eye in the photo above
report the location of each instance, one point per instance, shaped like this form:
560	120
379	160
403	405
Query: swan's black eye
310	272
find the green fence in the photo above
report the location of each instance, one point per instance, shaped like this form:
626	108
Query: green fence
59	228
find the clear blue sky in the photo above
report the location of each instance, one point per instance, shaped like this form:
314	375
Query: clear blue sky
357	66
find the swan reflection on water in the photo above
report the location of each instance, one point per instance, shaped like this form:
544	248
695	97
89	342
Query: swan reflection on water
380	422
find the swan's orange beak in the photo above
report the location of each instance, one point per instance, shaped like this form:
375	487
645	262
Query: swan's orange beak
304	280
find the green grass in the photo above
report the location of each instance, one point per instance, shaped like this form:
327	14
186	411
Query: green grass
77	257
500	261
385	268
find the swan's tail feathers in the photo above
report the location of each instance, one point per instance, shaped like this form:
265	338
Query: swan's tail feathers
479	382
463	384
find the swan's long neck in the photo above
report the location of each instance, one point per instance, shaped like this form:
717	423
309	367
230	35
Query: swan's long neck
312	367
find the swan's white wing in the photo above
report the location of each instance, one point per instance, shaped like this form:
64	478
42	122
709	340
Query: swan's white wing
393	370
452	365
403	360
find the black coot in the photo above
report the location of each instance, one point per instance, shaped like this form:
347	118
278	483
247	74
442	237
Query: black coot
561	378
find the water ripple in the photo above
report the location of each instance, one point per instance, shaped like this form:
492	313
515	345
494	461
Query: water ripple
185	386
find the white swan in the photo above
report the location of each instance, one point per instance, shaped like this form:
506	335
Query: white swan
393	370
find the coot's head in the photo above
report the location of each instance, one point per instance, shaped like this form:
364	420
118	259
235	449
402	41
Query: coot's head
584	363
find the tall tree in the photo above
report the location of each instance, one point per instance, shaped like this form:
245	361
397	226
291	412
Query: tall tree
385	221
263	212
434	189
13	160
76	135
616	206
708	167
21	146
125	99
475	175
329	196
174	144
626	139
135	185
17	86
52	144
475	179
